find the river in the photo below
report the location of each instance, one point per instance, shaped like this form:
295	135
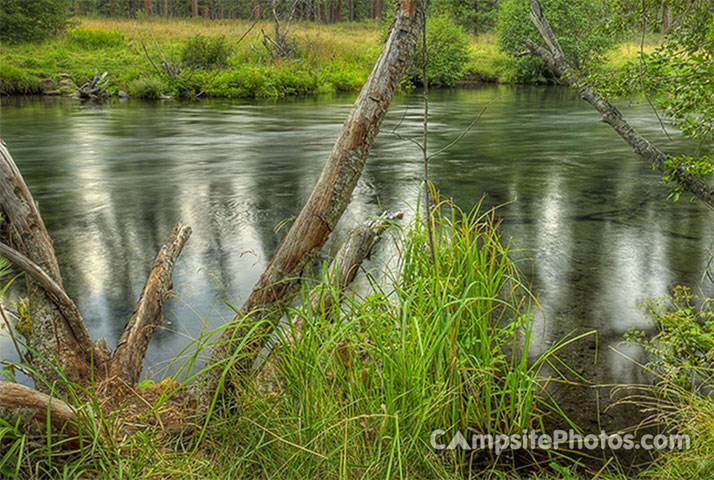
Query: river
590	222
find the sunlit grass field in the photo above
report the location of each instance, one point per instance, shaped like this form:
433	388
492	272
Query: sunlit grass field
328	58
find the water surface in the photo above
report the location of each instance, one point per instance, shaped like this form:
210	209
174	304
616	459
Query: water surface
595	233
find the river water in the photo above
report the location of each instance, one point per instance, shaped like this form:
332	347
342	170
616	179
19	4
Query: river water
590	219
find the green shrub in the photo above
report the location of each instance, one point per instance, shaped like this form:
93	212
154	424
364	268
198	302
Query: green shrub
574	23
206	52
14	81
32	20
88	38
147	87
447	53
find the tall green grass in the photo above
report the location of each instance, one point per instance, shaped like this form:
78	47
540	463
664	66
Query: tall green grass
441	344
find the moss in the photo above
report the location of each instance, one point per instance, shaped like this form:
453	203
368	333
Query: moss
24	321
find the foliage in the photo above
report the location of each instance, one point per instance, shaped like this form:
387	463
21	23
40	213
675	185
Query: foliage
26	21
683	347
677	75
149	88
575	23
477	16
447	53
89	38
205	52
14	81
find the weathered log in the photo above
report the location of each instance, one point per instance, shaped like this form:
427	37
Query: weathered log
341	273
95	88
330	196
126	362
555	60
34	409
58	334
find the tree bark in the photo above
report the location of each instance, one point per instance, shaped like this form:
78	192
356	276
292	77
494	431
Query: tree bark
194	8
555	60
129	354
330	196
58	334
34	409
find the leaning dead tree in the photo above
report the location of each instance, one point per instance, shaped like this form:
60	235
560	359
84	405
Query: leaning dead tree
60	348
319	216
556	61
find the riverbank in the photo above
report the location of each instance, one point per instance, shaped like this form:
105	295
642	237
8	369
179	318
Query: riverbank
327	58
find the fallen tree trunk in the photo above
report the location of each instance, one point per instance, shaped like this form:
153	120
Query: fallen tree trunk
555	60
341	272
34	410
129	354
329	198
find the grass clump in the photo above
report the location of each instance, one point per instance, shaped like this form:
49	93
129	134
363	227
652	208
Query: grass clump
15	81
444	346
205	52
149	88
92	38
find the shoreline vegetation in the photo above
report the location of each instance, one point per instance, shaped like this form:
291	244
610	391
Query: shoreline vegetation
328	59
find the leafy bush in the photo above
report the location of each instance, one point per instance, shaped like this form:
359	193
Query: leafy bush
447	53
14	81
147	87
574	23
206	52
32	20
683	348
88	38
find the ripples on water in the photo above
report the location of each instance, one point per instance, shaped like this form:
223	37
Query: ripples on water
594	230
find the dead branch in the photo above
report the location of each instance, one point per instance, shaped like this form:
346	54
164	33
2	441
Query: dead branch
556	61
94	89
126	363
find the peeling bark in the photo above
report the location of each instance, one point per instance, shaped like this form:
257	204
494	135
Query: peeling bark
129	354
556	62
332	193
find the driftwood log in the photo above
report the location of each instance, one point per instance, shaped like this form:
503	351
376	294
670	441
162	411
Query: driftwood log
355	249
556	61
327	202
94	89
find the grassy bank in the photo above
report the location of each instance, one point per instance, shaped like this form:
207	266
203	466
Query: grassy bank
328	58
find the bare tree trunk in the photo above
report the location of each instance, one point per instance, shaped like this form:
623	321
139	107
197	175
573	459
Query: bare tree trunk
556	61
58	335
129	354
666	19
166	8
194	8
147	7
282	277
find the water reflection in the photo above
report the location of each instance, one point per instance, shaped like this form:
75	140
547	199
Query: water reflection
590	220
